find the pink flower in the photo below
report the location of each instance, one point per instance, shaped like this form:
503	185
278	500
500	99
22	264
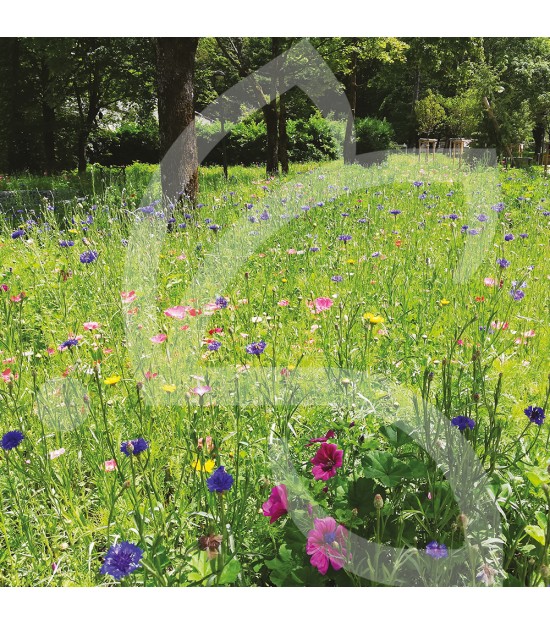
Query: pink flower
489	282
110	465
291	251
277	504
499	325
325	462
529	333
326	545
128	296
322	439
150	375
176	312
91	325
320	304
209	444
283	302
201	390
9	361
55	454
8	376
158	338
4	287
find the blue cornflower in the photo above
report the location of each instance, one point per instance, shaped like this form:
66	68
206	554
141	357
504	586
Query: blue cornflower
220	481
344	214
517	294
88	257
498	208
11	440
344	237
453	216
306	208
462	422
121	560
535	414
66	243
482	217
314	249
134	447
69	343
256	348
221	302
464	229
395	212
362	221
502	262
375	254
264	216
509	237
182	225
214	346
523	235
417	183
18	233
436	551
473	231
337	278
214	227
422	196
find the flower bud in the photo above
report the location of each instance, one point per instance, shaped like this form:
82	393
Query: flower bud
378	502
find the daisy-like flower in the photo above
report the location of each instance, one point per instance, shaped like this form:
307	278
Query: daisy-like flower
113	379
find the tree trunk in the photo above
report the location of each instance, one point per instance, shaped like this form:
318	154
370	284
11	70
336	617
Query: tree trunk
48	121
176	110
81	143
496	126
16	157
283	136
349	151
538	135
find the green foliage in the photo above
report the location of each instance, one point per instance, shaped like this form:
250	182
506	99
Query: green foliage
430	113
373	135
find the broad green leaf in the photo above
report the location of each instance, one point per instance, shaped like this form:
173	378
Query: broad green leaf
535	532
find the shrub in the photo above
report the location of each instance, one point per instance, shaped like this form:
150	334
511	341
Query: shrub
373	135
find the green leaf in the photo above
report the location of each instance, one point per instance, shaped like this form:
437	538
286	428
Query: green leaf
386	468
536	533
230	572
395	435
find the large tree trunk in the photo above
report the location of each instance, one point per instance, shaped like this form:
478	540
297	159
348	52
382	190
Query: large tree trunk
538	135
81	143
283	136
175	73
349	151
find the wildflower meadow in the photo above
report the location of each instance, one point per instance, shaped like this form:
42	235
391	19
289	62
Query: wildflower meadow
336	377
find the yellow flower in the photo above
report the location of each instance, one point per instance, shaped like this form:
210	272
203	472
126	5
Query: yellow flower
169	388
444	302
373	319
73	231
350	261
284	280
207	467
112	380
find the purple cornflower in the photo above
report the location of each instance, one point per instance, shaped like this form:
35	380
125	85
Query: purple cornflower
344	237
66	243
517	294
221	302
436	551
473	231
453	216
509	237
482	217
535	414
395	212
214	346
462	422
422	196
264	216
68	343
11	440
417	183
214	227
17	233
256	348
314	249
502	262
337	278
88	257
134	447
220	481
464	229
523	235
498	208
121	560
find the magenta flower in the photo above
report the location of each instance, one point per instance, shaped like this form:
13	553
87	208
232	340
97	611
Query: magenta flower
277	504
325	545
325	462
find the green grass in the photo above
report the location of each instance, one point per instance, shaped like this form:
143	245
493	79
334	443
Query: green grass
69	510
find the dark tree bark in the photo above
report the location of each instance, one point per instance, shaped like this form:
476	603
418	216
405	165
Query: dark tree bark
175	74
283	136
349	152
538	135
48	119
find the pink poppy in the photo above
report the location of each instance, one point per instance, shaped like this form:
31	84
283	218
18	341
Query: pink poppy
320	304
283	302
489	282
150	375
91	325
182	257
277	504
9	361
110	465
529	333
326	545
128	296
176	312
185	327
325	462
8	376
18	298
159	338
201	390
